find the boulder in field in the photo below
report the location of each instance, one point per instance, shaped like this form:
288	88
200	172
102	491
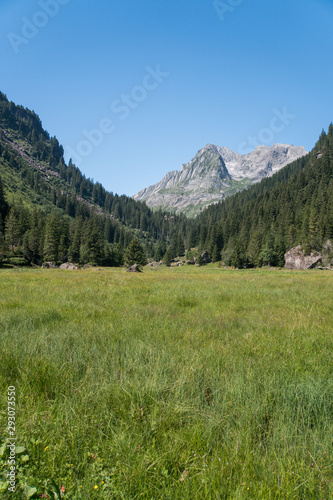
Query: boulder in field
134	269
295	259
68	265
49	265
205	259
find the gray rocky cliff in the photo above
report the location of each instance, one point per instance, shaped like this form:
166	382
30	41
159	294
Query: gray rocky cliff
215	173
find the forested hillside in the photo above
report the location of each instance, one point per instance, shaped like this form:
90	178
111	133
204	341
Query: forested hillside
294	207
51	212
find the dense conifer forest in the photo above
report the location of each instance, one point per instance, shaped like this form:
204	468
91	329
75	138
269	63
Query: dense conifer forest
257	226
50	211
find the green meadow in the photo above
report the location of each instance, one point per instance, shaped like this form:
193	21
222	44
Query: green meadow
177	383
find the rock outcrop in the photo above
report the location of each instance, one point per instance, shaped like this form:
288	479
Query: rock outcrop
68	265
295	259
215	173
205	258
49	265
327	252
134	269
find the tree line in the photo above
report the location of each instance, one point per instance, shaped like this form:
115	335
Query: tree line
74	218
257	226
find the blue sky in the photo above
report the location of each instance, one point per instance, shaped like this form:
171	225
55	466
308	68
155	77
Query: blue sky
133	89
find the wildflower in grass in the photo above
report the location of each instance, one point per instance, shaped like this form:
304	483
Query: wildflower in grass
46	447
95	487
184	475
63	489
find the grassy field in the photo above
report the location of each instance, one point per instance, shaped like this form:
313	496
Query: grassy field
179	383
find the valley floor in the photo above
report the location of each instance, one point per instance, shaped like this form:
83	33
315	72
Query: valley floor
177	383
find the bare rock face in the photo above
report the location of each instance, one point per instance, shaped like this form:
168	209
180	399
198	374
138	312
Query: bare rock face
215	173
295	259
68	265
134	269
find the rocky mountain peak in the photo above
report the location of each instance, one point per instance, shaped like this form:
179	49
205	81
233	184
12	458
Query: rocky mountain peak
214	173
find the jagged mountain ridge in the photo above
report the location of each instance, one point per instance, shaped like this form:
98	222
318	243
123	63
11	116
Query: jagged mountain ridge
214	173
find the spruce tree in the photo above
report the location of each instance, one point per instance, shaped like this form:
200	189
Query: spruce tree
160	251
52	238
193	239
180	250
119	255
216	255
74	248
12	229
238	258
32	240
169	256
135	254
93	242
3	203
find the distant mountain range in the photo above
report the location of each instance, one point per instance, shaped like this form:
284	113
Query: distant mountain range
215	173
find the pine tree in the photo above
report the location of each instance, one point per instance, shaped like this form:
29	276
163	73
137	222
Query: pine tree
216	255
169	256
109	231
52	238
119	255
64	242
313	234
32	240
74	248
3	203
180	250
172	249
193	239
238	258
135	254
143	222
160	251
12	229
93	250
2	243
268	256
254	248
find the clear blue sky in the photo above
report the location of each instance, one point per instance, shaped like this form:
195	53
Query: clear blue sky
227	73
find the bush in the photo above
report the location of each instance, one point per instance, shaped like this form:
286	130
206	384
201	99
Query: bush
17	261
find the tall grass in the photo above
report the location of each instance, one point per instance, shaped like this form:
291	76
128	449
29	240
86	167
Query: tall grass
172	384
